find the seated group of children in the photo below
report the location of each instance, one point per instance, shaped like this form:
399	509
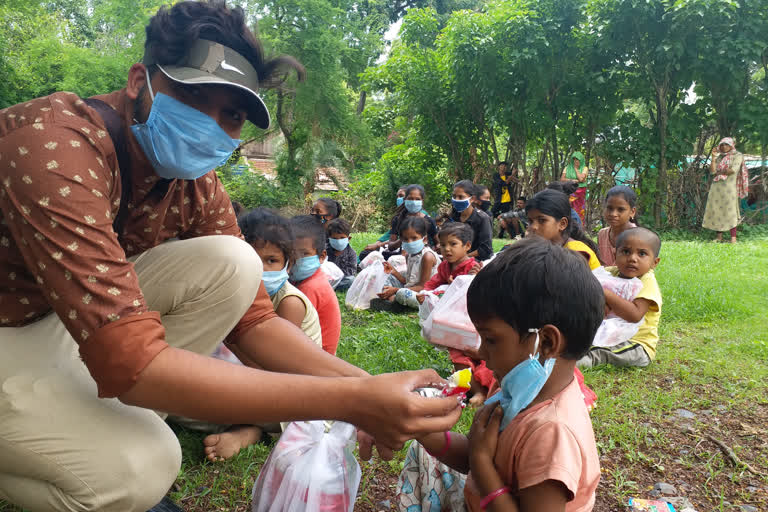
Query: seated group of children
536	306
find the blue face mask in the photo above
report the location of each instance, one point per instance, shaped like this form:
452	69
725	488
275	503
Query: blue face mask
305	267
414	247
413	205
522	384
460	205
180	141
274	279
339	243
399	201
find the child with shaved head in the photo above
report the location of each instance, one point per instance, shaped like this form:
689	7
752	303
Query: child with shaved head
637	254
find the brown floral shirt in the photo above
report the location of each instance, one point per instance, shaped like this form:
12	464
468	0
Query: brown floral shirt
60	190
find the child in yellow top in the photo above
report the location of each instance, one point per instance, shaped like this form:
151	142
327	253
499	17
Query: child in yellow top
637	254
549	216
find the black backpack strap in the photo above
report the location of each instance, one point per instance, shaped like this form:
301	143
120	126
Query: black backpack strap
116	130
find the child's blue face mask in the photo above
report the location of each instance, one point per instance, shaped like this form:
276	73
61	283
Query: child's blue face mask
413	205
339	244
414	247
180	141
399	201
522	384
305	267
274	279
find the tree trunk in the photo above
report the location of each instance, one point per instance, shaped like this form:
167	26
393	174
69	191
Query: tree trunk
661	179
361	102
555	157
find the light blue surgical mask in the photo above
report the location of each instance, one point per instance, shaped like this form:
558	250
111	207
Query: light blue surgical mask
460	204
414	247
339	243
274	279
180	141
399	201
413	205
522	384
305	267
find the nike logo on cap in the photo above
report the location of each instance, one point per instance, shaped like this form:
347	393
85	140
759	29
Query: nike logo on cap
229	67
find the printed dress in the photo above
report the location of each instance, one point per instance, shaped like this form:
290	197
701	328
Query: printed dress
722	211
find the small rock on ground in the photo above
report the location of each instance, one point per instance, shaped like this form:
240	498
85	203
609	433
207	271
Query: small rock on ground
665	488
685	413
748	508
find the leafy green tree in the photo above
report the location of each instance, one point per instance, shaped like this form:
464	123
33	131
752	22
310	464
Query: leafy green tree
653	44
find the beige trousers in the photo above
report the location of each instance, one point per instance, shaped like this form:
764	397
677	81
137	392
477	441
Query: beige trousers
64	449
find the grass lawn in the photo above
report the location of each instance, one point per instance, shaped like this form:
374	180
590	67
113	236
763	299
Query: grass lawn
712	361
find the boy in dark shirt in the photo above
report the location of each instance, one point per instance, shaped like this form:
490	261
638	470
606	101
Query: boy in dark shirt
340	252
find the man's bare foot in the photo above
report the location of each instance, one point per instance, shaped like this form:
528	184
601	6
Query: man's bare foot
477	400
227	444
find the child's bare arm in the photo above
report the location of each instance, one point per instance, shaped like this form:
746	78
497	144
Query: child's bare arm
292	309
631	311
484	438
548	496
455	456
389	269
427	264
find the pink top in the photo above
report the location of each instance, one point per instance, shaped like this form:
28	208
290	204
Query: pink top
552	440
319	292
607	250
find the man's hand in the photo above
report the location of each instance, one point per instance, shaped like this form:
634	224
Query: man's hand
366	442
393	413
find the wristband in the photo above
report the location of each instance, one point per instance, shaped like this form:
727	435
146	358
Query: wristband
445	448
495	494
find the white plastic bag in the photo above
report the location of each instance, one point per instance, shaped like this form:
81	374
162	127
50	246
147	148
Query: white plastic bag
398	262
311	468
449	324
366	285
614	329
332	272
372	257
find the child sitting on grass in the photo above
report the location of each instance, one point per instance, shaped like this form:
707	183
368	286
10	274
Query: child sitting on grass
309	249
549	216
421	265
619	213
637	254
532	447
272	238
455	243
340	252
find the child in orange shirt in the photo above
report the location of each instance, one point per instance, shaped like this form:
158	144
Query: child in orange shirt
309	246
531	448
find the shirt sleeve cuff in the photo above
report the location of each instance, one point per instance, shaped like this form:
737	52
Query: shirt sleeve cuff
118	352
260	311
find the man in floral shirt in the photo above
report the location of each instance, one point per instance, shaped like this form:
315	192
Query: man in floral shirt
122	267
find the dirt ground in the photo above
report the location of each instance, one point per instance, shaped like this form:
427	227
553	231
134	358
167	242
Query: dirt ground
692	461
